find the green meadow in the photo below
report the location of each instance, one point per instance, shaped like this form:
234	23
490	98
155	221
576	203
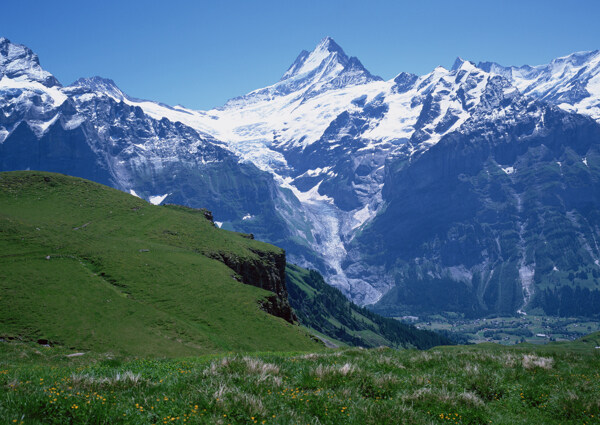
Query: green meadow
83	265
484	384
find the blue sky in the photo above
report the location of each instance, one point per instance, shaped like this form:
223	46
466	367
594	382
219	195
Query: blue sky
200	53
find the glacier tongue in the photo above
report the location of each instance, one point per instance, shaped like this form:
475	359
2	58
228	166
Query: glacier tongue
326	230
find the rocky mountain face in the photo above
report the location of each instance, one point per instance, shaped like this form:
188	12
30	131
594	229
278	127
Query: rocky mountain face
572	82
471	189
490	216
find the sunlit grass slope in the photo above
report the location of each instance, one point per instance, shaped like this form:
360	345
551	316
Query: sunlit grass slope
89	267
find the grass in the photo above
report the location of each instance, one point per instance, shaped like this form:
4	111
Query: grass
89	267
553	384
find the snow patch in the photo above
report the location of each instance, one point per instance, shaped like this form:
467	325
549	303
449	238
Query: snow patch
46	125
53	93
361	216
157	199
310	196
317	171
74	122
526	274
461	274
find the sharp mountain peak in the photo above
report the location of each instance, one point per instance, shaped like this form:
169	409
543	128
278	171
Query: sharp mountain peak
327	53
18	61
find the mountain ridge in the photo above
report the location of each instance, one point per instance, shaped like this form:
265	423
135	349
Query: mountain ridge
325	144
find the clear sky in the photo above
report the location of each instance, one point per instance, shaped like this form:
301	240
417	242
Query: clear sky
201	53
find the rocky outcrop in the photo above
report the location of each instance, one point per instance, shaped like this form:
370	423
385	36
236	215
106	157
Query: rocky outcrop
267	271
206	213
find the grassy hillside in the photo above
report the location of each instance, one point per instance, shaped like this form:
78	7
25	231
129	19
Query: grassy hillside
553	384
93	268
325	309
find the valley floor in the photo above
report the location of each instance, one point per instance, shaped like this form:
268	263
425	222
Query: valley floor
507	330
557	383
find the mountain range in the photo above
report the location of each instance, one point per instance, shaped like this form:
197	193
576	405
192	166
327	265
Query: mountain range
472	189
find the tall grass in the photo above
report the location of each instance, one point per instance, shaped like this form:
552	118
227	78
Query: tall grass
458	385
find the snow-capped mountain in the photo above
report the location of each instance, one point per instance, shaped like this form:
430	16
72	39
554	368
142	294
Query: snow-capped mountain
335	146
326	68
92	129
571	82
396	190
20	64
327	139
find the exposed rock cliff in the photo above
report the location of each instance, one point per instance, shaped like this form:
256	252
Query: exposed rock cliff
266	272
